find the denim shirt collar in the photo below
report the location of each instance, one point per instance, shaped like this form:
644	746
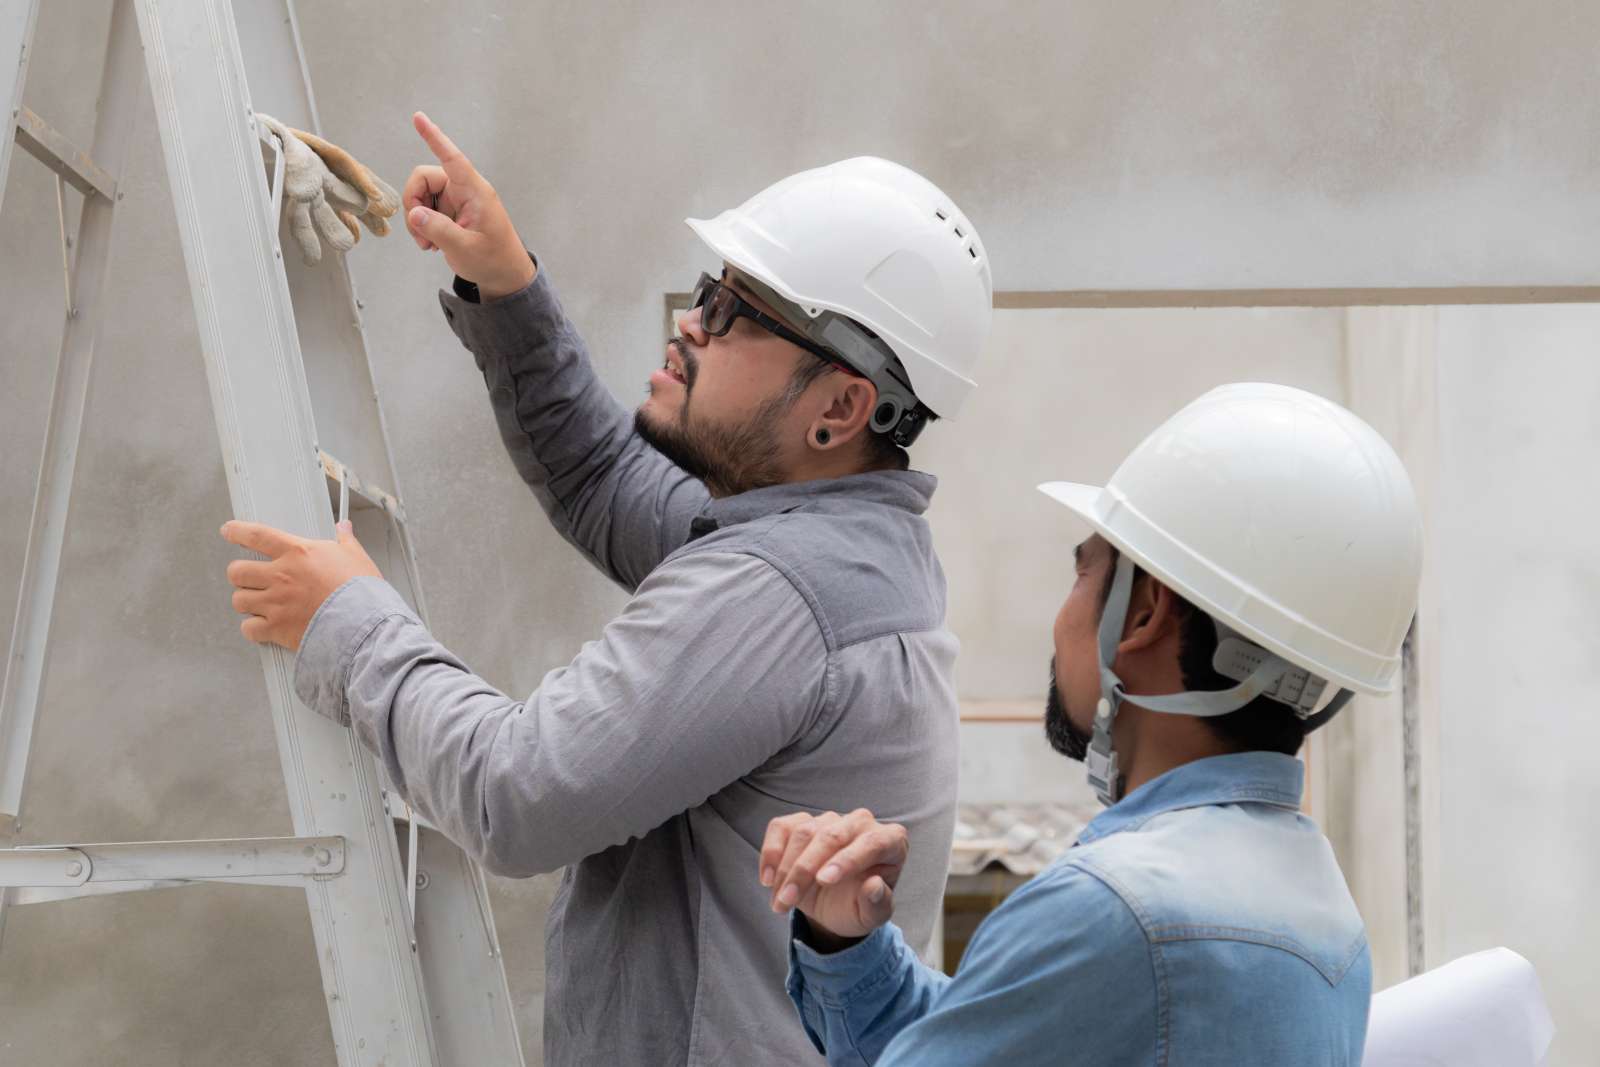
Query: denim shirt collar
1253	777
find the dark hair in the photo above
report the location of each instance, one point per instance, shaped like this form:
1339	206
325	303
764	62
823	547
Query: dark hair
1263	725
882	452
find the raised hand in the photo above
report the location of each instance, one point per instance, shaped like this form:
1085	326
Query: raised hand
839	870
452	208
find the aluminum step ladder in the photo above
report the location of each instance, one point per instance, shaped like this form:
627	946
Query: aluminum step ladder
411	966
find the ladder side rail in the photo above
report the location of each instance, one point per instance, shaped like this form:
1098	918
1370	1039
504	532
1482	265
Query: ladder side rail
465	983
263	410
17	22
28	657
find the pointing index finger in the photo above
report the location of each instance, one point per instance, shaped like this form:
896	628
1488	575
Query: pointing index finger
450	157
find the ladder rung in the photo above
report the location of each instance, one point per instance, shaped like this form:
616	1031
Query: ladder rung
47	894
402	812
336	472
49	147
139	862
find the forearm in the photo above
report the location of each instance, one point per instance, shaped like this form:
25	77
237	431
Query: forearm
854	1001
367	661
671	704
606	491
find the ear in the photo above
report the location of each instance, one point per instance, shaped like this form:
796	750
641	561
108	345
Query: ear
846	409
1153	615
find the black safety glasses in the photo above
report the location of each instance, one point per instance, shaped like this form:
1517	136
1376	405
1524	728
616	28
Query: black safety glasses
720	305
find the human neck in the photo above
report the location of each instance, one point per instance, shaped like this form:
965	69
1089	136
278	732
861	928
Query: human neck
1151	743
814	466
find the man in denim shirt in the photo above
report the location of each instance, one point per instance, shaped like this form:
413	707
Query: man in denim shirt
1260	545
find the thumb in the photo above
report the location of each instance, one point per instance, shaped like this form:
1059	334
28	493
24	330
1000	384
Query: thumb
345	534
438	228
875	902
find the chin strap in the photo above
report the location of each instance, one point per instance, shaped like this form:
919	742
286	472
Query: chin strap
1258	671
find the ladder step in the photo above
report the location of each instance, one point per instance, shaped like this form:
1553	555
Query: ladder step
44	143
36	874
342	478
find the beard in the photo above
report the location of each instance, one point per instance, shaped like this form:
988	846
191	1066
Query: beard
1059	730
730	459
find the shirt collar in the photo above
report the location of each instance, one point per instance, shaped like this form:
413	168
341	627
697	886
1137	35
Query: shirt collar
908	490
1251	777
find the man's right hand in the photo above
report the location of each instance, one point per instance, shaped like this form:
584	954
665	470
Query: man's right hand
453	208
839	870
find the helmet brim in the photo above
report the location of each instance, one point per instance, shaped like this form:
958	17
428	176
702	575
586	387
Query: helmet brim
1094	505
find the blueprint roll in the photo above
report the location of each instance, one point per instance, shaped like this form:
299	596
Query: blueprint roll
1483	1010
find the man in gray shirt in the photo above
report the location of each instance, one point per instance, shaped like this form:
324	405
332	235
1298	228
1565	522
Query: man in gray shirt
784	647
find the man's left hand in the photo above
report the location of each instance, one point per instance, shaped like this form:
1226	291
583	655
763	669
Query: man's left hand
279	595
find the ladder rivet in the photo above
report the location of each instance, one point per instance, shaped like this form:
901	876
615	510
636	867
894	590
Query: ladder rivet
74	869
422	879
323	857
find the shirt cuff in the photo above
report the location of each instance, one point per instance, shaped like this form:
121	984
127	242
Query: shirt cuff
501	328
336	633
833	977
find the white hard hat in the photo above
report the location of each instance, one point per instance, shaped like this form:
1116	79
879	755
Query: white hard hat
879	244
1285	518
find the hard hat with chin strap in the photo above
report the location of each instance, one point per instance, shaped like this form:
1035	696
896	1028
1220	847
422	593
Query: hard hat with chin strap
1288	521
877	264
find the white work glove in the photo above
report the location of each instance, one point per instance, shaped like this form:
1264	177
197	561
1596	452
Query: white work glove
379	196
319	202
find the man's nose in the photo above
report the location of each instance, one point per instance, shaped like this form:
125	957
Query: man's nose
689	326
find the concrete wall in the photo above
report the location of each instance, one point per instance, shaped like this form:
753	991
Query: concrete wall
1176	145
1519	678
1493	411
1357	784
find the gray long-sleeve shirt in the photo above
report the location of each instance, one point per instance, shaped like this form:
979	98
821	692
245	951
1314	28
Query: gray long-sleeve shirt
784	649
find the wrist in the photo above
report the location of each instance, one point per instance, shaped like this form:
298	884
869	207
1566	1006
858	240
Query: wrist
815	935
514	282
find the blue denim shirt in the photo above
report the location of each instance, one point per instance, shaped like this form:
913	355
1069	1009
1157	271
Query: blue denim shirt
1201	920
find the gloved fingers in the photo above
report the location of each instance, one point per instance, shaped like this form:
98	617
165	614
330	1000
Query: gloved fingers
337	189
350	223
358	207
328	225
378	195
381	197
302	171
386	201
304	232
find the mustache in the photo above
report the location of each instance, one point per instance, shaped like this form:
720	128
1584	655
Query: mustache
691	362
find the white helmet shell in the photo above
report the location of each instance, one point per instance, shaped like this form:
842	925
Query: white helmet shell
1281	514
880	244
